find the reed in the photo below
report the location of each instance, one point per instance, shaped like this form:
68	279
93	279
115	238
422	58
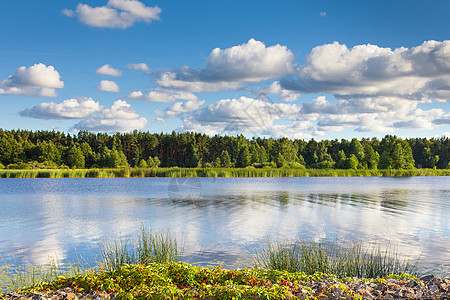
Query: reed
16	276
149	247
350	261
215	172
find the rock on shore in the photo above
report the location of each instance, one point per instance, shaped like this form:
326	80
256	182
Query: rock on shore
430	288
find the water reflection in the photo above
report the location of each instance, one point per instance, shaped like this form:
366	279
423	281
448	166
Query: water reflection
61	218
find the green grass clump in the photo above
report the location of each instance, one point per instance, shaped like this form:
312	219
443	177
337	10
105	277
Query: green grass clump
149	247
14	277
345	261
215	172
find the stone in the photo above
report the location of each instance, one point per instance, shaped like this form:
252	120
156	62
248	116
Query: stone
71	296
427	277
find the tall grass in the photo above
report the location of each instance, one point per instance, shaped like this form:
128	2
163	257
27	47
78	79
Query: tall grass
16	276
345	261
215	172
149	247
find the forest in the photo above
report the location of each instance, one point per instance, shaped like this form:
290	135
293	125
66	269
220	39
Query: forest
24	149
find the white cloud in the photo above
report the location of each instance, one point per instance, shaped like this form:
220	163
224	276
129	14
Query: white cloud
232	67
120	117
371	115
37	80
108	70
178	109
376	89
108	86
357	106
371	71
67	109
443	120
67	12
229	116
162	95
138	67
116	14
283	94
169	80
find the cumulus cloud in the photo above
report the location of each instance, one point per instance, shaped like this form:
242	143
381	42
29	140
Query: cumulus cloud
162	95
67	109
232	67
229	116
321	105
283	94
372	71
37	80
108	86
138	67
108	70
178	109
115	14
370	115
120	117
374	89
443	120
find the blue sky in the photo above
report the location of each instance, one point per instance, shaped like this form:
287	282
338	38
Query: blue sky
301	69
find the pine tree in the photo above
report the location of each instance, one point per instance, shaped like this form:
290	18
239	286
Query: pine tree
225	159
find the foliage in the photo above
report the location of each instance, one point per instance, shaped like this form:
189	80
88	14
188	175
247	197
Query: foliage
345	261
149	247
177	280
194	149
293	171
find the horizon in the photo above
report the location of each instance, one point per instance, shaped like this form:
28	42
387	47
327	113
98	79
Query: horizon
300	70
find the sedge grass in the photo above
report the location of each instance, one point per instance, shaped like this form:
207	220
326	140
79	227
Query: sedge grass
349	261
16	276
215	172
148	247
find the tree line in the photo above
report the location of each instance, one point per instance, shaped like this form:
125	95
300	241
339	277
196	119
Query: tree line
23	149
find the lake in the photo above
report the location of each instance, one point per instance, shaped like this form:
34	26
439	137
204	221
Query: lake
219	219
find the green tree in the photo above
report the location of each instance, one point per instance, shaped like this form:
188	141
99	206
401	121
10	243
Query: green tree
371	158
143	164
402	157
357	149
281	162
75	157
244	158
156	161
352	162
385	160
225	159
341	160
217	163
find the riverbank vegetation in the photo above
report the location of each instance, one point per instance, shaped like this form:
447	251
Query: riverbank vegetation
149	266
214	172
23	149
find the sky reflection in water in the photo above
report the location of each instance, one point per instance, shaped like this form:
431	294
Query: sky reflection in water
219	219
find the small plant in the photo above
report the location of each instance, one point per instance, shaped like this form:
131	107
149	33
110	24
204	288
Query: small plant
150	247
16	276
349	261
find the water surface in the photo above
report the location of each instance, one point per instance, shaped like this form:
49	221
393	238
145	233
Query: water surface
219	219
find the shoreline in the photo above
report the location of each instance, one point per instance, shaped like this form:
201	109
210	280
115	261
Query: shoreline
181	280
215	172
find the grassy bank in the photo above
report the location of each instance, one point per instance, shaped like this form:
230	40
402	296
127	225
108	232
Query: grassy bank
179	280
150	263
215	172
